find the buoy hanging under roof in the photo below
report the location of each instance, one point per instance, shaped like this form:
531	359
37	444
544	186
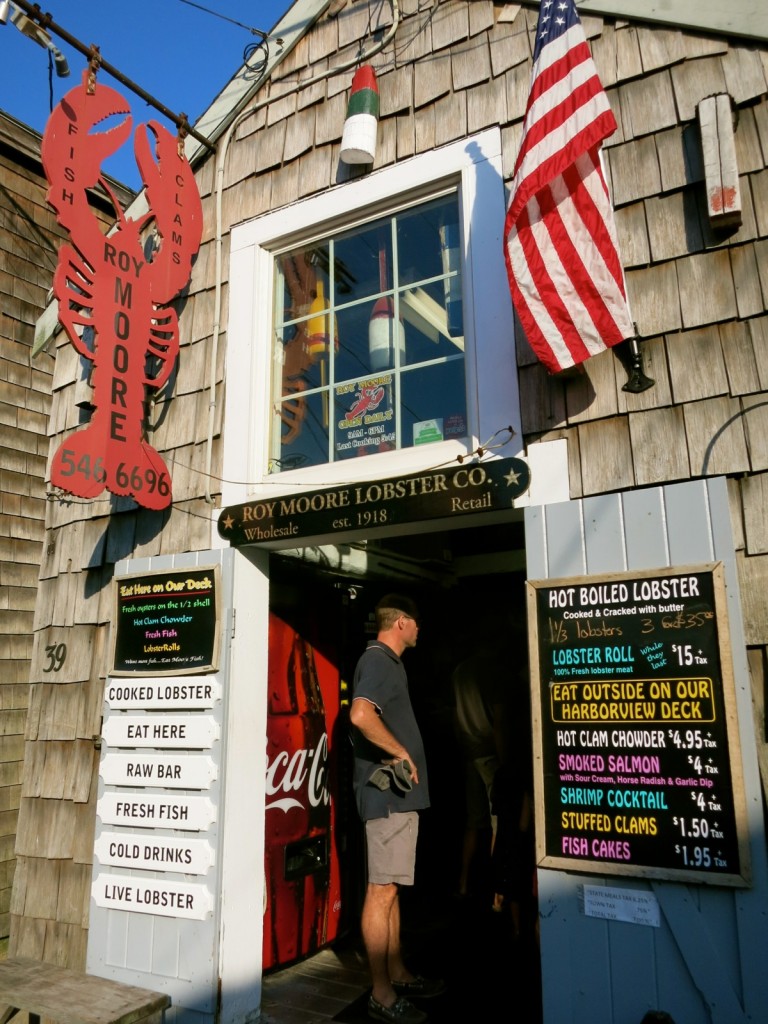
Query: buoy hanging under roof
358	141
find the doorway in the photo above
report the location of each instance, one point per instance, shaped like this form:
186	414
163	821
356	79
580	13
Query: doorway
469	585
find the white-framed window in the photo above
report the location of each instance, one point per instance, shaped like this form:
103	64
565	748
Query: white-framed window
370	328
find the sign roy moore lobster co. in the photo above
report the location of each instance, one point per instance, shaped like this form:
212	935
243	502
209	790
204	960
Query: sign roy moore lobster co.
432	494
112	294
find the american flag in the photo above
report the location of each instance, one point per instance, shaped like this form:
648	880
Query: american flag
560	240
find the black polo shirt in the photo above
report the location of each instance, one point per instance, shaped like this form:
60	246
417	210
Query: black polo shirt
380	678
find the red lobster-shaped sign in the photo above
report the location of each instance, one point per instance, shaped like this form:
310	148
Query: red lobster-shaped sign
109	284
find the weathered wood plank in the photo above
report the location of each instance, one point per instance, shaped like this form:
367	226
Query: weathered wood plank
74	894
693	80
83	763
739	357
432	79
756	427
542	400
746	275
450	24
300	134
450	118
753	587
634	170
749	155
509	47
754	491
606	455
745	76
486	106
721	174
707	291
42	891
27	936
55	769
716	441
396	90
647	104
673	225
659	447
46	829
696	364
590	393
470	63
659	47
50	663
632	235
758	329
518	85
71	997
654	299
481	15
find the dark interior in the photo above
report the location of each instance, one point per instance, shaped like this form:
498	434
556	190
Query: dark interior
470	588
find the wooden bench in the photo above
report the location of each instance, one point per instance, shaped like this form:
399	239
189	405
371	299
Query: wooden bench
71	997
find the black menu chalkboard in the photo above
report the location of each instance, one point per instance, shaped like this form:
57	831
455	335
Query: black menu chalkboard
637	757
166	622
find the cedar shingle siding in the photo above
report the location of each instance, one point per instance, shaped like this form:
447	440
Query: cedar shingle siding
699	297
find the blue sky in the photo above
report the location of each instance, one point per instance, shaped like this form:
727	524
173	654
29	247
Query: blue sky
176	52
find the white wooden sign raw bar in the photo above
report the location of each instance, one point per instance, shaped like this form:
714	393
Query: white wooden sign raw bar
172	771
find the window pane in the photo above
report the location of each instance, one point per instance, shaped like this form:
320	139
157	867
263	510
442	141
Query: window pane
423	313
433	405
303	425
363	261
370	321
301	273
354	358
429	247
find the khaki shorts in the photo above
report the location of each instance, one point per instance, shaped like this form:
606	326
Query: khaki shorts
392	848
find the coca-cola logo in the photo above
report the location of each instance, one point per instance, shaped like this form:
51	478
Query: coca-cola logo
291	773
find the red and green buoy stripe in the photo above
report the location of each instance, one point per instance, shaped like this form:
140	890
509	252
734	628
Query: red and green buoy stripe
364	95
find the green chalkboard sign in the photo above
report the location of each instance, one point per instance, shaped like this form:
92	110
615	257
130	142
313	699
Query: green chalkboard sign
165	622
637	756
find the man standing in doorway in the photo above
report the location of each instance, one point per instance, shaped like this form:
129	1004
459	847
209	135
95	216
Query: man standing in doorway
390	782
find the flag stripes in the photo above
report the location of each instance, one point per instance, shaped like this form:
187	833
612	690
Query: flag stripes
561	250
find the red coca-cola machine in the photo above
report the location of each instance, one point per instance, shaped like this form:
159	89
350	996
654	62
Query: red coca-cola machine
302	842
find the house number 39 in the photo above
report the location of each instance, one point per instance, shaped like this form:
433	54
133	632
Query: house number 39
56	655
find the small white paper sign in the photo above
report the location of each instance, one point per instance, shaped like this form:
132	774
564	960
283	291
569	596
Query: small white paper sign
632	905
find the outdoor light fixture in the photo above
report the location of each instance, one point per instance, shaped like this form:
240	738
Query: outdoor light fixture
37	33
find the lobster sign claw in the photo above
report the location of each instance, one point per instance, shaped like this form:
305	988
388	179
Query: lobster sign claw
109	284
